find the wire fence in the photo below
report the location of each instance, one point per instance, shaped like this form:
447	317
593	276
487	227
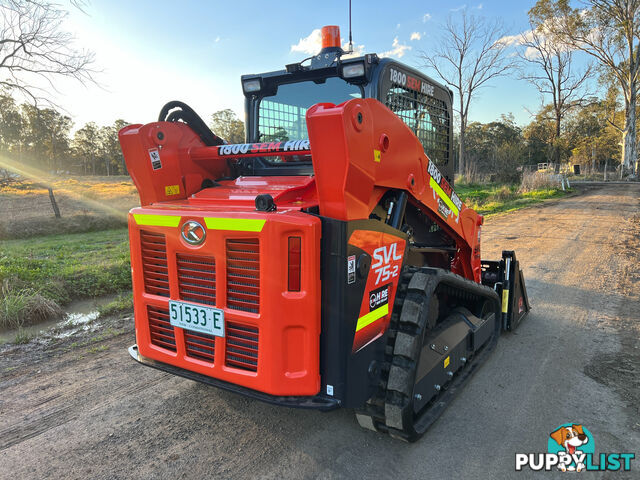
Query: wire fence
29	205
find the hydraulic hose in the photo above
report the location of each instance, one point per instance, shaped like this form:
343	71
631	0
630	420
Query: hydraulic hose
182	112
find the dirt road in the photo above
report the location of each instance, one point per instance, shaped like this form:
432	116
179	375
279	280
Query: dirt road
91	412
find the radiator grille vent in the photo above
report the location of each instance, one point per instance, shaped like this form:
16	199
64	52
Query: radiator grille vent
197	278
160	330
243	274
242	346
154	263
200	345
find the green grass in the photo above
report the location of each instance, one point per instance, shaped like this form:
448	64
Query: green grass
22	337
123	303
60	268
491	199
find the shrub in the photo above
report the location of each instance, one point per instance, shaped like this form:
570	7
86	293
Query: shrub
537	181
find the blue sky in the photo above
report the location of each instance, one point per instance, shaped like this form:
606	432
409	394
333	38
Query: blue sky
153	52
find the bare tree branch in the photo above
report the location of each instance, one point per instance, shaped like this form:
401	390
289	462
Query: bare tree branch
552	74
34	47
470	54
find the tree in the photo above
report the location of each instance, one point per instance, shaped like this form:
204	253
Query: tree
595	141
46	135
110	150
553	74
496	148
609	31
34	48
11	123
228	126
540	137
86	143
467	57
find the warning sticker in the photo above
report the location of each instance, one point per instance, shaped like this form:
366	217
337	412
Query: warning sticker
172	190
154	155
446	362
377	156
351	269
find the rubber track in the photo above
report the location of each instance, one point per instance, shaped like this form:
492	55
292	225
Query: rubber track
391	408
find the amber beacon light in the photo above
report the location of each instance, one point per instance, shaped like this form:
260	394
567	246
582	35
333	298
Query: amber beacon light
330	36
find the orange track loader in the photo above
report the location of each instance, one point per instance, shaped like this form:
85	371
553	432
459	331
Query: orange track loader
325	263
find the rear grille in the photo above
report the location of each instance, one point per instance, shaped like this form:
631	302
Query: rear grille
200	345
197	278
243	274
160	330
154	263
242	346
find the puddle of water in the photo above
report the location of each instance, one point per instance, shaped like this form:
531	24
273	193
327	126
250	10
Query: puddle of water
79	315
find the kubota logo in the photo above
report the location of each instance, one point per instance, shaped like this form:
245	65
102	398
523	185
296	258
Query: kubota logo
383	268
193	233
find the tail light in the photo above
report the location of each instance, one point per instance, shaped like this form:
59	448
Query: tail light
295	253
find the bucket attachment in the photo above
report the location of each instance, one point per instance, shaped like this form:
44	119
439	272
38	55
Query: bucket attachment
506	278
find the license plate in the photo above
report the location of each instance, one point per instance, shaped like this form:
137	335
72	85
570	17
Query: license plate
197	318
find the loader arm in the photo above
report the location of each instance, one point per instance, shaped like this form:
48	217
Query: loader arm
360	149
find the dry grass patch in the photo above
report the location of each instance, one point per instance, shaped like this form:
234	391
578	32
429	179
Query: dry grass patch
85	203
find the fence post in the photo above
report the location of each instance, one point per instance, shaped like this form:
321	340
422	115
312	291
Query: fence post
54	204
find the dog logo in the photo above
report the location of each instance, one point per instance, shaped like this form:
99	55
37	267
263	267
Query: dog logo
572	439
570	448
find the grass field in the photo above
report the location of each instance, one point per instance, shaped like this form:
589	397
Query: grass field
492	199
86	204
40	275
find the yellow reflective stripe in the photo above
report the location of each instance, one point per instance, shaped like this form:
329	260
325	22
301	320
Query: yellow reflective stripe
157	220
505	300
237	224
445	198
372	316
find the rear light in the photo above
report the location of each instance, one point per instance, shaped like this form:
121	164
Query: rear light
295	253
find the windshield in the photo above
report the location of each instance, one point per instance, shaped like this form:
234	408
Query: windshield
282	116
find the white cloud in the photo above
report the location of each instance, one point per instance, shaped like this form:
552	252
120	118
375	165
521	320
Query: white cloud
457	9
397	50
426	17
415	36
511	40
518	41
525	37
358	50
479	6
310	44
217	39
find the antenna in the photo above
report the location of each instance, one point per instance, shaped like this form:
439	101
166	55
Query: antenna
350	38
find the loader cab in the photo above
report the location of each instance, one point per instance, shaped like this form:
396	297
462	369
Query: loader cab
276	104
